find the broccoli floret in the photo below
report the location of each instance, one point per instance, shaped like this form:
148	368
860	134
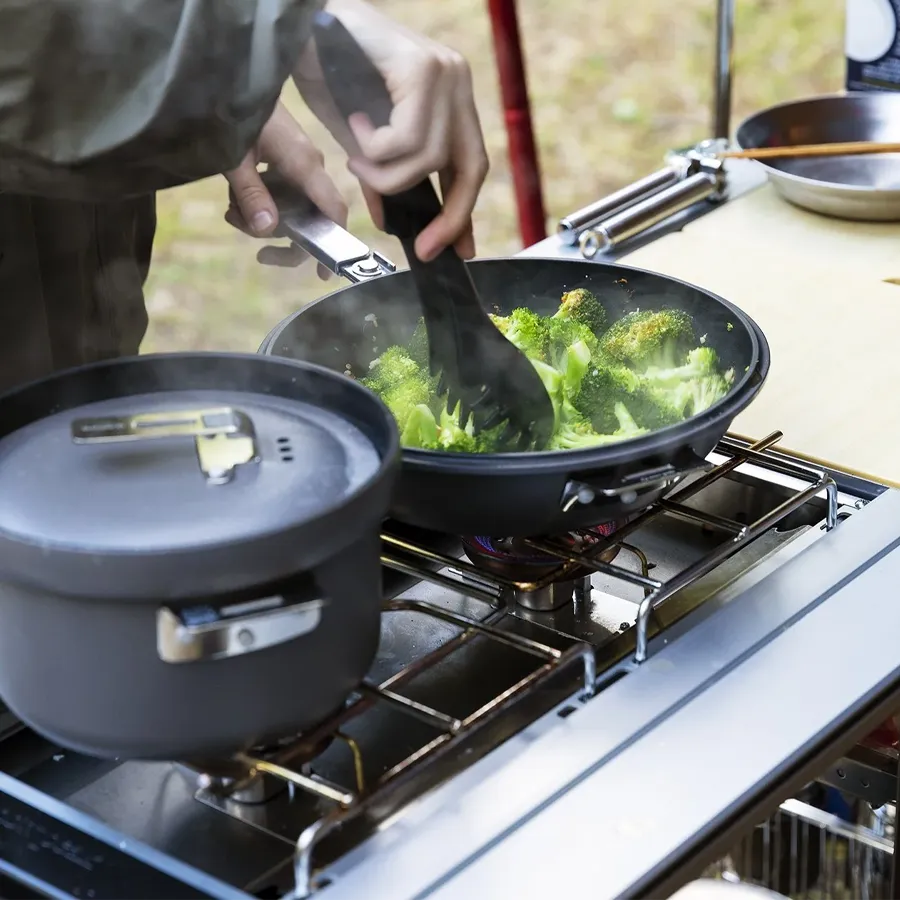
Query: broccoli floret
580	305
392	368
708	390
421	429
526	330
565	332
628	428
650	339
418	346
604	384
402	399
574	366
701	361
552	380
653	409
451	434
575	432
695	395
400	383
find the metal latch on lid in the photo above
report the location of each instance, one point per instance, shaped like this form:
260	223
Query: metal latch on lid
224	437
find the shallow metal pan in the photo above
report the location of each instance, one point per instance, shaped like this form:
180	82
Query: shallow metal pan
864	188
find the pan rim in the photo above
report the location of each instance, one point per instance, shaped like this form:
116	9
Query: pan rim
837	186
622	452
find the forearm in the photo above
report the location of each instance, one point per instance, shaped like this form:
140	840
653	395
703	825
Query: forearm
103	99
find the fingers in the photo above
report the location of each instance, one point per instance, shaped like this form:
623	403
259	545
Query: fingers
418	139
284	145
461	182
255	206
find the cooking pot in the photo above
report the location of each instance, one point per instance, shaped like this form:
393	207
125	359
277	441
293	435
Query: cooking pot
189	551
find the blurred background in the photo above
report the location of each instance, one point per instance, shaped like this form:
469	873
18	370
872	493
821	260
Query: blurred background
613	84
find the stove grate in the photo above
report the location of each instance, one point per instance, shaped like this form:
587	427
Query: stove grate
412	776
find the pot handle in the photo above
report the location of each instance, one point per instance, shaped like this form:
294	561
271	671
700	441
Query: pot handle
224	437
630	487
204	633
300	220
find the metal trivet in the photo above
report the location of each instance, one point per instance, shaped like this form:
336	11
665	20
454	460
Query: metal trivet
413	776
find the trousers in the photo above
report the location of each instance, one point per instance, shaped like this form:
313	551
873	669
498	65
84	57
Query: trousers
72	280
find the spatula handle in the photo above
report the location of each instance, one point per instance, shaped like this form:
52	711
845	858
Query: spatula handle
356	86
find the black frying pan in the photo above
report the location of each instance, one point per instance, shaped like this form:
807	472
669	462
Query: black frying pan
521	494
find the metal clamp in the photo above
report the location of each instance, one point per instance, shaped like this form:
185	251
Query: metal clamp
204	633
224	437
310	229
706	181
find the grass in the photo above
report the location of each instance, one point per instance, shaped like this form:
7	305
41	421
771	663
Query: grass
613	85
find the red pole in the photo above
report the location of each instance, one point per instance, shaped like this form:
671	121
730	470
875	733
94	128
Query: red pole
522	149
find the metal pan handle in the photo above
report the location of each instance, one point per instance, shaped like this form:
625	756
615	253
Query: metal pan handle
300	220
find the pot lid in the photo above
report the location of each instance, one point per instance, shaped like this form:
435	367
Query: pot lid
160	472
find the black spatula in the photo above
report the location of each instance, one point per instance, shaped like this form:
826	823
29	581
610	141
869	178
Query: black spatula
480	368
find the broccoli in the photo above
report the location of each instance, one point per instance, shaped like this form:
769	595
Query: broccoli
693	396
403	398
650	339
526	330
574	366
580	305
563	333
576	433
552	380
418	346
645	372
451	434
700	361
400	383
421	429
393	367
604	384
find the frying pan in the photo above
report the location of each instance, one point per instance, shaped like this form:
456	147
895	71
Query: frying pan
517	494
865	188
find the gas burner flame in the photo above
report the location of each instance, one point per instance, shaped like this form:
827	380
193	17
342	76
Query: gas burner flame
515	560
514	550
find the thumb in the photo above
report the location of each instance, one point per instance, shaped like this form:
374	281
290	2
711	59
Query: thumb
252	198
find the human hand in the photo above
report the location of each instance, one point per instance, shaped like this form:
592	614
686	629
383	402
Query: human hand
434	126
285	146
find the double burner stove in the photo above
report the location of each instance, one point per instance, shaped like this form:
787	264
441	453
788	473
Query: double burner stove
482	640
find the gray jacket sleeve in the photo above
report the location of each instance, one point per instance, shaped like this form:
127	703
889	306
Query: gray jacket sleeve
106	99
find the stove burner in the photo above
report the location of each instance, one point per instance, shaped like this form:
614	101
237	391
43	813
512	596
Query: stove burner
233	778
514	560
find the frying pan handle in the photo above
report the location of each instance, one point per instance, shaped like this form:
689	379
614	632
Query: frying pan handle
300	220
583	490
356	86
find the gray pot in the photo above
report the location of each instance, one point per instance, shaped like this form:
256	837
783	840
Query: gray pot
189	551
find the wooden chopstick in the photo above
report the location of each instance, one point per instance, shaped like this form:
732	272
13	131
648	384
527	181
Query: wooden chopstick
849	148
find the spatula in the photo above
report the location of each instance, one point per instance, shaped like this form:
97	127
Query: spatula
479	367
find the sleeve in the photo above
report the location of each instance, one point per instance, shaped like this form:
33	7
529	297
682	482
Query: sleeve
107	99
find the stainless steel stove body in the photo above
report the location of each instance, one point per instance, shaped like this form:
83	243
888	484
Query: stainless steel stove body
742	639
492	739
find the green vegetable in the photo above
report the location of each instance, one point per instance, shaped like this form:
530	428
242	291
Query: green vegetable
421	430
527	330
650	339
583	307
645	371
